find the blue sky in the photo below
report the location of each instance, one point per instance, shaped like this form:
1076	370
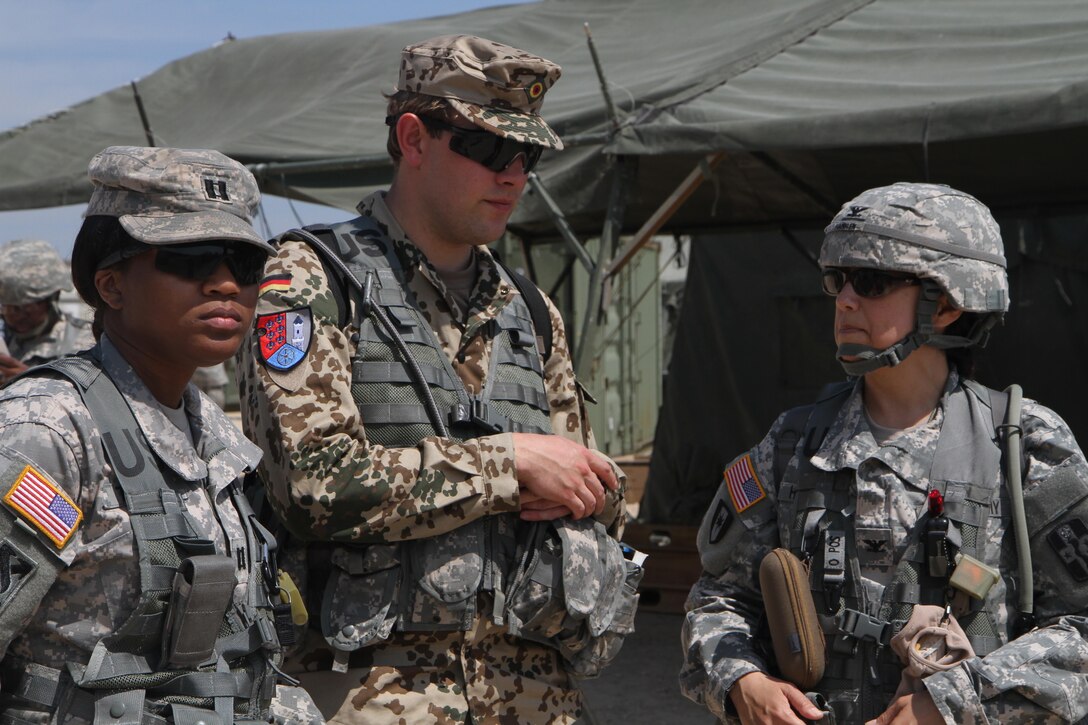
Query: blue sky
55	53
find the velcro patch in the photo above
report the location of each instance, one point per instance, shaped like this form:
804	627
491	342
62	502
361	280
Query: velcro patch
1070	542
44	506
285	337
743	484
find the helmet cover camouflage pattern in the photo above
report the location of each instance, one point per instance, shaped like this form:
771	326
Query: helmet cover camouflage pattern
30	271
926	230
175	196
497	87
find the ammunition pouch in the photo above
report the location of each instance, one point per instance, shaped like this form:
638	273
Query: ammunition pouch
573	590
201	594
358	607
796	634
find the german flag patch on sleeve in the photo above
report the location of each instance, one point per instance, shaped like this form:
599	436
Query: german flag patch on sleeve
274	283
43	505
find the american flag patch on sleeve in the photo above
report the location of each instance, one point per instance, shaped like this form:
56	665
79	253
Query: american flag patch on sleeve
744	487
44	506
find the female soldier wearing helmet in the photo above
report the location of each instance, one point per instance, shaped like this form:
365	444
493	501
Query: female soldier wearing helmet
36	329
891	488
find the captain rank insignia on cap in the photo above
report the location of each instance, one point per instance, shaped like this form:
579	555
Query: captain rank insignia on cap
44	506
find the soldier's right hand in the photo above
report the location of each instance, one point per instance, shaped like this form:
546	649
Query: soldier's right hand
566	474
760	698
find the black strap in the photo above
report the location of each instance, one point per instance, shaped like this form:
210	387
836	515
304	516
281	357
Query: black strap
538	308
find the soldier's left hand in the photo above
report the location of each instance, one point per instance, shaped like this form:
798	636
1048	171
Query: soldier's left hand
909	709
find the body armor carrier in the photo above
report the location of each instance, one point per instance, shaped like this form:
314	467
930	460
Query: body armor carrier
406	389
816	524
160	665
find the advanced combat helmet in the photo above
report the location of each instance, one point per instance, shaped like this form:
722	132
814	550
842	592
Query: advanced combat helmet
31	271
946	238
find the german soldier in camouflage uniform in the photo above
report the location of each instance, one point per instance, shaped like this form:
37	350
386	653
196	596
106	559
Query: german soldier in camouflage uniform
36	330
891	485
440	465
134	587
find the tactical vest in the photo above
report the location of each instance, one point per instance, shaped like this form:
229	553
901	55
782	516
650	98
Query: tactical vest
816	520
406	389
131	678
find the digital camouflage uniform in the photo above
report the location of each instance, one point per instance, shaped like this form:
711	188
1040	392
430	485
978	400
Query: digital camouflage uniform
824	486
330	483
45	425
1038	677
31	271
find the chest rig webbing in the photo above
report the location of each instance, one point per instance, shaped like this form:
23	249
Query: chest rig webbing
406	389
816	522
128	680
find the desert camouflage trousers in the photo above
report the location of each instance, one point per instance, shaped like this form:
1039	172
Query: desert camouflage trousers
481	676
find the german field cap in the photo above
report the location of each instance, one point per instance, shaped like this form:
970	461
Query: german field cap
497	87
175	196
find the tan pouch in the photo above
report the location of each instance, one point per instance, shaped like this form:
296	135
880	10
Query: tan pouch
791	615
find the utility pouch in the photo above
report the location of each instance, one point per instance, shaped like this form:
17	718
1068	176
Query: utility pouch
203	587
574	591
791	616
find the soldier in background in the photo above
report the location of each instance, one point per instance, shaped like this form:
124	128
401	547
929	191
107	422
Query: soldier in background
892	489
36	330
135	585
424	430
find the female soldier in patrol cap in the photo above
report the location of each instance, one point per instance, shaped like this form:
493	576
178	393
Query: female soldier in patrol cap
892	489
134	585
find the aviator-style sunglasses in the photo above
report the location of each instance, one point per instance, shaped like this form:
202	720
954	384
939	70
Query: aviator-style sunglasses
199	261
866	282
490	149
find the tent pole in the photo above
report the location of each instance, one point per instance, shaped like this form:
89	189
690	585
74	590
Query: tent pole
665	212
143	114
613	223
609	105
560	220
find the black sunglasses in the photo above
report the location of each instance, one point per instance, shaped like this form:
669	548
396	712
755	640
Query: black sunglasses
490	149
866	282
199	261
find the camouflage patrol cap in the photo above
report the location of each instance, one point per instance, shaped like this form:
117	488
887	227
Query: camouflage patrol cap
30	271
926	230
497	87
175	196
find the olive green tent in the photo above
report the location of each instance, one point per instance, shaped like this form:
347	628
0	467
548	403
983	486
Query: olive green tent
812	99
786	108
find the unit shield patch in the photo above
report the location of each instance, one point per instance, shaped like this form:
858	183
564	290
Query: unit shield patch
44	505
285	337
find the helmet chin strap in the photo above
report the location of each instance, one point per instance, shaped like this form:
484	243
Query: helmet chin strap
870	358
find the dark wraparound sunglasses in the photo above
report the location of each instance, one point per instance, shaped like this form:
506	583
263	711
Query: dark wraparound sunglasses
866	282
199	261
490	149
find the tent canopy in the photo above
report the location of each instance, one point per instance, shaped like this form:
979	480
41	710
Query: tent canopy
812	100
